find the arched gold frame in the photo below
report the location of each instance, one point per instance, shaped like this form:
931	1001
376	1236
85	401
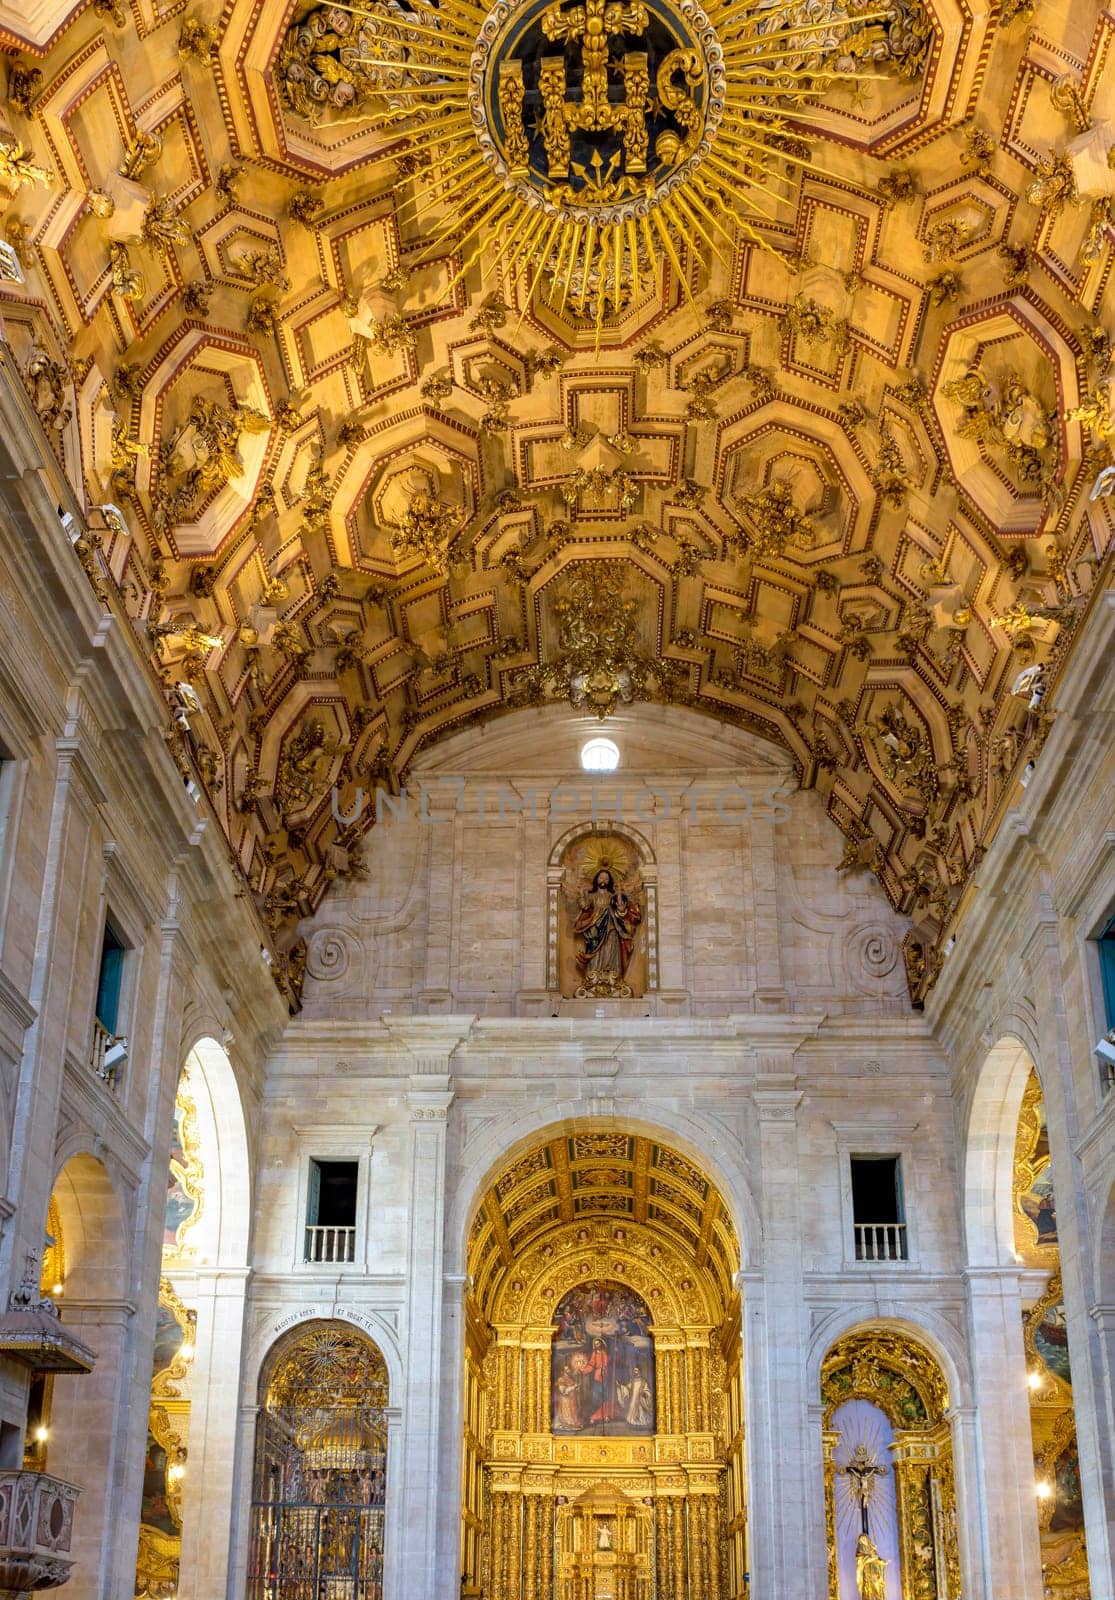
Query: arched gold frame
893	1371
1052	1419
519	1478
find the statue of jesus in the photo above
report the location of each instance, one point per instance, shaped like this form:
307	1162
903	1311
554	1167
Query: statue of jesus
607	922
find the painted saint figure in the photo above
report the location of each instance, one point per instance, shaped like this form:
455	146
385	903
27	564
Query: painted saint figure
567	1407
606	924
635	1397
871	1570
602	1364
598	1377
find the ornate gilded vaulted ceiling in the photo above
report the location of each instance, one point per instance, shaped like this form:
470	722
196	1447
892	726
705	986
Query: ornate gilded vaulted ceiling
560	1189
808	445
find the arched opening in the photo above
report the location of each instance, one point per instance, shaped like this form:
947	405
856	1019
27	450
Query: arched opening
205	1239
604	1439
1058	1492
78	1432
320	1469
890	1489
989	1153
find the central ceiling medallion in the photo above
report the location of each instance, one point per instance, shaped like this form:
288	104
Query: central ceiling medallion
595	113
582	144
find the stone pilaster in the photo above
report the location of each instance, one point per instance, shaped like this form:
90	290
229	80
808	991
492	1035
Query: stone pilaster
1002	1496
214	1391
413	1568
786	1476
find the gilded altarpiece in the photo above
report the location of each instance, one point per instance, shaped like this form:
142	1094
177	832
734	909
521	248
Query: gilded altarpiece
1060	1504
604	1374
902	1380
160	1532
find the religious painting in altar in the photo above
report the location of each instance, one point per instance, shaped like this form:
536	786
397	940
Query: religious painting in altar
602	1378
1060	1508
602	945
185	1185
1035	1223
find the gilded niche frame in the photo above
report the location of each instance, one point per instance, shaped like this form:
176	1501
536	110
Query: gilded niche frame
892	1371
559	944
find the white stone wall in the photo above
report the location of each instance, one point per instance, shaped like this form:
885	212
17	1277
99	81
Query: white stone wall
1021	988
94	816
453	912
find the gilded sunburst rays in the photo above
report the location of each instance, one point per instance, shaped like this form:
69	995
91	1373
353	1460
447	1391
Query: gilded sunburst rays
578	148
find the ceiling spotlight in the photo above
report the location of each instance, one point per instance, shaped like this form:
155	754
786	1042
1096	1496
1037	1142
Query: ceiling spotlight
600	755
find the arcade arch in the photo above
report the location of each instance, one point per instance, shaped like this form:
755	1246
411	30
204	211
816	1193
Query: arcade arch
1010	1215
80	1415
890	1484
319	1477
200	1311
603	1448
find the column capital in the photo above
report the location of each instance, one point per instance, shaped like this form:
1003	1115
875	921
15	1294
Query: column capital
777	1099
429	1041
429	1099
985	1280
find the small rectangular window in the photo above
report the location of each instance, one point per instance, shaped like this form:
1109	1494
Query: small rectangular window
331	1211
878	1214
7	781
1106	946
109	979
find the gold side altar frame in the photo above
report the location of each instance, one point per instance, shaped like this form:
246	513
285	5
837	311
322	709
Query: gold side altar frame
1064	1556
533	1477
903	1379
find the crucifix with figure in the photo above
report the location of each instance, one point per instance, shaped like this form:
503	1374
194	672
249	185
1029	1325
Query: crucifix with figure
862	1470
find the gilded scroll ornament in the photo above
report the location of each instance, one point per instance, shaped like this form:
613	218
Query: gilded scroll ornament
201	457
47	382
1005	416
774	522
127	281
17	168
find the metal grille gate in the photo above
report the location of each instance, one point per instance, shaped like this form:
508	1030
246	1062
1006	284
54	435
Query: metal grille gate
318	1504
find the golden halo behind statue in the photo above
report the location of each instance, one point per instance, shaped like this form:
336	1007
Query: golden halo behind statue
608	854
